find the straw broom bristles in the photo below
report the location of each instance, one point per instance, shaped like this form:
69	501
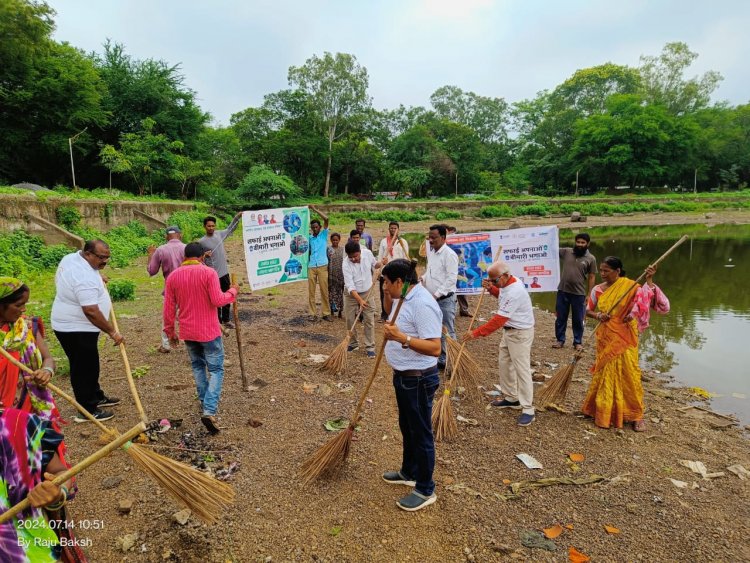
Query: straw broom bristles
329	459
556	389
205	496
444	425
467	372
336	362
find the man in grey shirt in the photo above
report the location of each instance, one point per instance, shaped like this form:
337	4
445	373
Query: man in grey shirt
576	281
216	257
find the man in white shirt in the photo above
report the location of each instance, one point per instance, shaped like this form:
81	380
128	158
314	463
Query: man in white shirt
80	312
392	247
440	280
358	268
515	316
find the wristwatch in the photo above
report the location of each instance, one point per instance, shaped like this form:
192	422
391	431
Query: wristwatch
407	344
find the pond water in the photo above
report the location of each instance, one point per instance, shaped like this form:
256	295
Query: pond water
705	339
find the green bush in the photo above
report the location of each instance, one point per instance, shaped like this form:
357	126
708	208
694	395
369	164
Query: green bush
444	215
121	290
539	209
24	253
492	211
68	216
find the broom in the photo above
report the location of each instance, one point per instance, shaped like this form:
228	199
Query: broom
444	425
329	459
465	368
465	372
336	362
205	496
120	441
236	315
128	372
555	390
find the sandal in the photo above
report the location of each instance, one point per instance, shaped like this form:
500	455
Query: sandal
639	425
557	345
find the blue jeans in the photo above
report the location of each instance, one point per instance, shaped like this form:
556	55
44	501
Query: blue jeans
414	396
448	308
565	302
207	357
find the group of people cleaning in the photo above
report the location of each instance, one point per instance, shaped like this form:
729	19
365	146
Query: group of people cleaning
33	450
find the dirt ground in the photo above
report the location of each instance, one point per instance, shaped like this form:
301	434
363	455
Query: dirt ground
355	518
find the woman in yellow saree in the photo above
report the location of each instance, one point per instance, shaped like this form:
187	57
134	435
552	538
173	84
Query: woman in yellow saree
615	395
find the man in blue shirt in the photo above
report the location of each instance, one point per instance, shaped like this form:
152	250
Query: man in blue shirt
317	270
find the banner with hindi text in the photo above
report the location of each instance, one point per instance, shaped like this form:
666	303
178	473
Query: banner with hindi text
276	245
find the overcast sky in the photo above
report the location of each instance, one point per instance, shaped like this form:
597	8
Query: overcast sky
234	52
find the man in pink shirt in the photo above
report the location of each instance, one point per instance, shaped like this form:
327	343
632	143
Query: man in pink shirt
168	257
193	291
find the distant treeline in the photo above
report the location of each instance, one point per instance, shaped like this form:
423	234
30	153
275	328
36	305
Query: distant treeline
138	122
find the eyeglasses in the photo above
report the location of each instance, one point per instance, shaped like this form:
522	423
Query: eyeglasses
497	279
100	256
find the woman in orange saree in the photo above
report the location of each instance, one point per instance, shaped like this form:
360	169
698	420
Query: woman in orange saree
615	395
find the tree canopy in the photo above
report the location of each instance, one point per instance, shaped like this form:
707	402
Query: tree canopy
139	121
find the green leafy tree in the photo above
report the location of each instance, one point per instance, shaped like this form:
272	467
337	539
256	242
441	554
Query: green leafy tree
632	143
337	90
146	156
262	187
664	83
48	93
488	117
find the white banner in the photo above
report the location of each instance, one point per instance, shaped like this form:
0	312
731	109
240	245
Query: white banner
276	243
532	253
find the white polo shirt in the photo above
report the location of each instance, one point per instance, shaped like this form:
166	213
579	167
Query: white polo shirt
515	304
419	317
78	285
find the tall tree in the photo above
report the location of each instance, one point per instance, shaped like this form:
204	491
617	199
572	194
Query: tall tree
488	117
337	90
664	83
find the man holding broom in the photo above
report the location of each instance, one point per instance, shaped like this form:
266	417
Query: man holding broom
358	268
516	317
412	349
392	247
194	290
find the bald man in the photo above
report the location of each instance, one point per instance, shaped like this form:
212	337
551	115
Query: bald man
516	317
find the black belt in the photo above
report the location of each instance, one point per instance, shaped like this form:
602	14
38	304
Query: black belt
506	327
445	296
414	372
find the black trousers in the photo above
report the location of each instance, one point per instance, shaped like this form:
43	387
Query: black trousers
225	283
83	354
383	314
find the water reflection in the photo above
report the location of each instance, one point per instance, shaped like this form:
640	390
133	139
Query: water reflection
704	339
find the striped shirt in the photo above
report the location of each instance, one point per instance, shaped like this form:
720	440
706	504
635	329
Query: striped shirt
419	317
195	291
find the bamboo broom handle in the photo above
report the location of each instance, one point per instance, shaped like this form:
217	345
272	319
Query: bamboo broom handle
76	469
57	391
379	357
473	317
128	373
236	315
